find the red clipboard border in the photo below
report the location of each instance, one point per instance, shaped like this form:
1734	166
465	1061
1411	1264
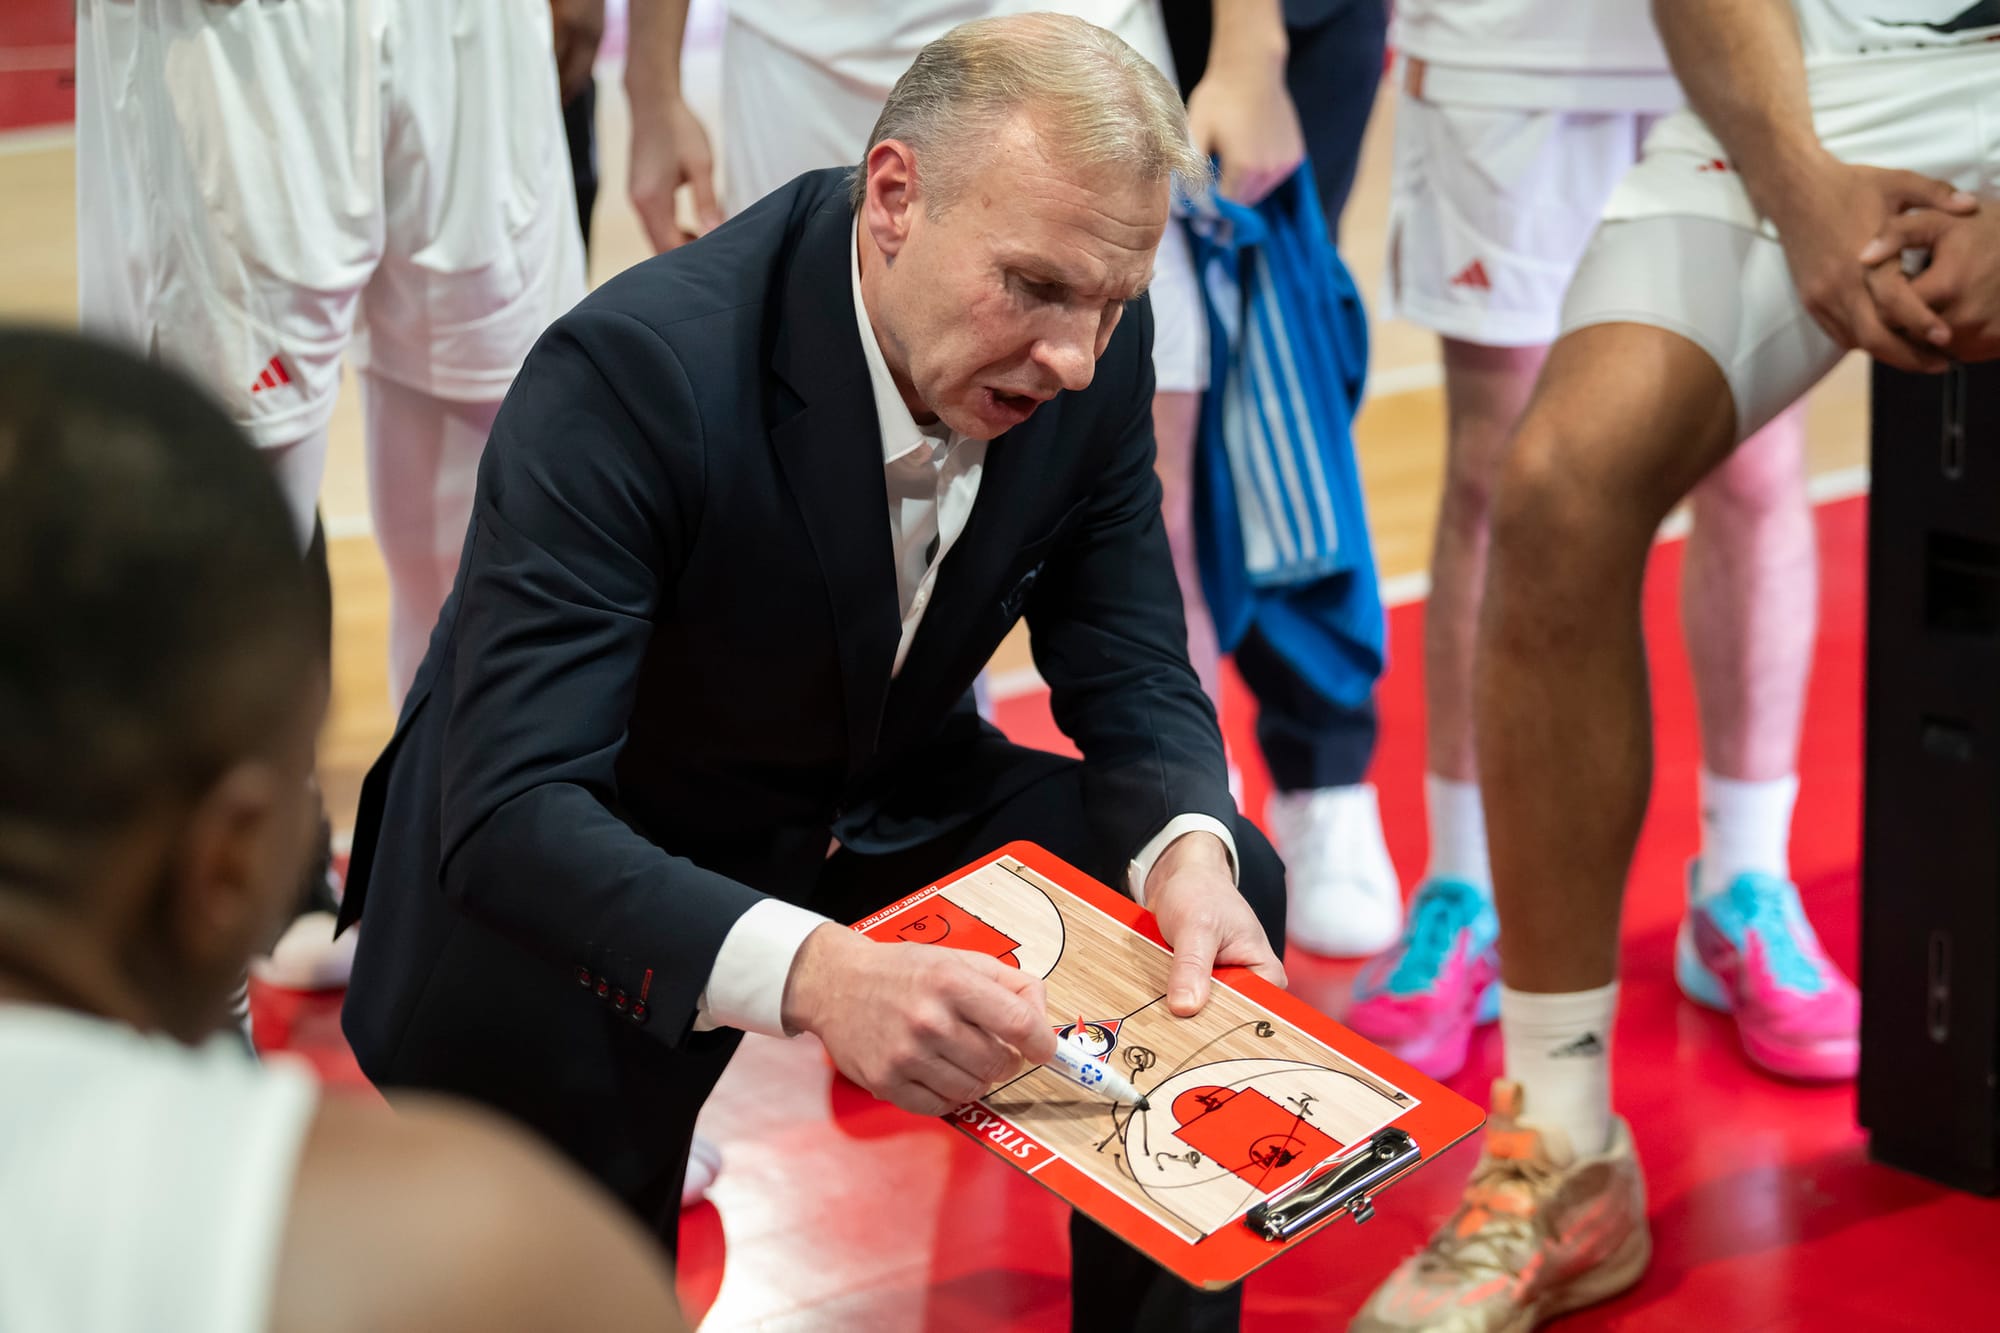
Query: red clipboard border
1440	1119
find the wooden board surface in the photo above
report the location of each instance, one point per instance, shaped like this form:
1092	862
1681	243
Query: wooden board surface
1246	1097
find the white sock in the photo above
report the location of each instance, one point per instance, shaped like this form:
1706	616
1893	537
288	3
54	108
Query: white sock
1458	833
1745	827
1558	1048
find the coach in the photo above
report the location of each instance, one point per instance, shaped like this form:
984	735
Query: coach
752	518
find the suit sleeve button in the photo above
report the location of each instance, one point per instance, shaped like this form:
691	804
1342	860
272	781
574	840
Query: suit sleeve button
638	1012
583	977
619	1000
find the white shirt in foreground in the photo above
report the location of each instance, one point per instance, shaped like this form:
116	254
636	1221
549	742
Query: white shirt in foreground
143	1184
932	477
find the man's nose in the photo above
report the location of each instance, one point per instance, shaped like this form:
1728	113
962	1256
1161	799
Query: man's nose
1071	357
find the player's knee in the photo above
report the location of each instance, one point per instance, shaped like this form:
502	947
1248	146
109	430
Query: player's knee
1261	880
1559	508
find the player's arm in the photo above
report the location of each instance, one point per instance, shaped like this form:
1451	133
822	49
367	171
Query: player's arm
442	1218
669	146
1241	112
1743	70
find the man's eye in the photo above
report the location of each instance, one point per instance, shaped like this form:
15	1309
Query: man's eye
1053	293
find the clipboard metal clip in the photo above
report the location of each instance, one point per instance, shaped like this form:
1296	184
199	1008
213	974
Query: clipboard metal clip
1341	1183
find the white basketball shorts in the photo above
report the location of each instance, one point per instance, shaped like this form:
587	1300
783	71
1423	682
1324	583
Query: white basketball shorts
259	183
1683	249
1490	208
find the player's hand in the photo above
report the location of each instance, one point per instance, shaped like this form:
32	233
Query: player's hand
1823	224
1961	282
1241	114
1193	895
925	1027
670	149
579	27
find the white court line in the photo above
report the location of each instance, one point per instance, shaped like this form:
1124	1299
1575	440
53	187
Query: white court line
344	527
37	140
1403	379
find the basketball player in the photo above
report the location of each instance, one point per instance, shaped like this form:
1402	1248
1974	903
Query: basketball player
803	84
1724	282
264	188
1511	131
160	693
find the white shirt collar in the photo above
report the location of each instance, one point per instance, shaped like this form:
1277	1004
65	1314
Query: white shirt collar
900	431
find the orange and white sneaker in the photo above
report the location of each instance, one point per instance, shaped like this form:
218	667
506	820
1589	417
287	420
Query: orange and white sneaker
1541	1232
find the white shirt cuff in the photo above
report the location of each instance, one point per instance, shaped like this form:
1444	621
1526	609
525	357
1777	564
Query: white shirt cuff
1179	826
746	987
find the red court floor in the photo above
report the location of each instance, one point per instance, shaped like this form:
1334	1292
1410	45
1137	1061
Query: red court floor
838	1212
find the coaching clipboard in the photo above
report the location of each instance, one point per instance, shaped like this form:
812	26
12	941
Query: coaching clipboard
1267	1120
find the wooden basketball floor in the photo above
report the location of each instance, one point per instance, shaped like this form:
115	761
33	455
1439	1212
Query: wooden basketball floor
837	1212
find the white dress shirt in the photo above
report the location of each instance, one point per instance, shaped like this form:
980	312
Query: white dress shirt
932	477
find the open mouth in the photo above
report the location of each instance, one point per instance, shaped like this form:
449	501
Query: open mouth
1014	406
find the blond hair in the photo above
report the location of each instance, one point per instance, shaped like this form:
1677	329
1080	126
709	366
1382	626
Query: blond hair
1098	103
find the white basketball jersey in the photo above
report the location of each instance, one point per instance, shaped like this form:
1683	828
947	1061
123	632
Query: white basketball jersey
1556	36
875	40
143	1184
1844	29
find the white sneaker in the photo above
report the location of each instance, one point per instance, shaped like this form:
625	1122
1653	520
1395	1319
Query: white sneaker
704	1165
1345	902
308	957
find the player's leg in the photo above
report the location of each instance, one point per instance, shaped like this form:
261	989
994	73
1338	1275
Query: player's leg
1324	815
256	302
482	250
1651	388
1491	208
1175	418
1748	596
423	460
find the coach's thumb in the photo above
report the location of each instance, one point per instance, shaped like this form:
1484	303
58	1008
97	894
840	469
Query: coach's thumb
1187	983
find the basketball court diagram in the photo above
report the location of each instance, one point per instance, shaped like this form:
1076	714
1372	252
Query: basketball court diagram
1240	1102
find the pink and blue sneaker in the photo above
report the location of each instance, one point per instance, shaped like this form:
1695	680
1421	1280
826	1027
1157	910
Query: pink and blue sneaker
1421	999
1749	951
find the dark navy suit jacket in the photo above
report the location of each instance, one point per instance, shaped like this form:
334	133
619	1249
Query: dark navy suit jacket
662	679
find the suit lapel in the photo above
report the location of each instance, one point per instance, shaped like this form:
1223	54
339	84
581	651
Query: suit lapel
830	450
966	585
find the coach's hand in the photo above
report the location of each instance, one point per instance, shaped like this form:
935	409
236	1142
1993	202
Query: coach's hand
925	1027
1192	893
1961	281
1835	208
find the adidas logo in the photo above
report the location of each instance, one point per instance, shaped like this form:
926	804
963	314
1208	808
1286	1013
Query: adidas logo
1473	275
1587	1044
273	375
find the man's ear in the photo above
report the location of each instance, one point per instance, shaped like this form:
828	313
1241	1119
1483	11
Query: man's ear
892	197
231	879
